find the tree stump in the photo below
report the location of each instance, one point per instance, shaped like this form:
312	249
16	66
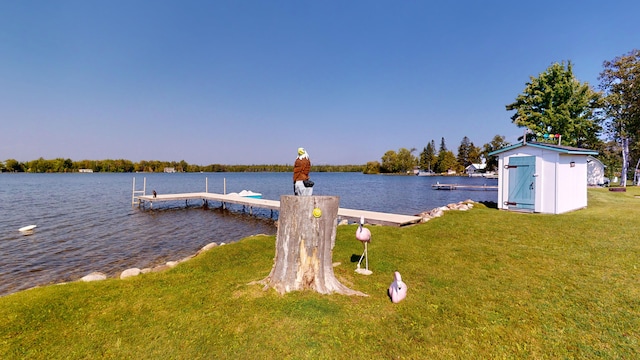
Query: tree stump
304	246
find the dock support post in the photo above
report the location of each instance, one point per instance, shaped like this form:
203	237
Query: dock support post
224	191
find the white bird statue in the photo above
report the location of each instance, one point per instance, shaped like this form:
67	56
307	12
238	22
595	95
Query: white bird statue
397	289
364	235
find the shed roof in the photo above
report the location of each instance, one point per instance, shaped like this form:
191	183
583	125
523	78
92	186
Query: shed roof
559	148
591	158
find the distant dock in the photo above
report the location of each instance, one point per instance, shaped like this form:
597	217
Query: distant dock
371	217
439	186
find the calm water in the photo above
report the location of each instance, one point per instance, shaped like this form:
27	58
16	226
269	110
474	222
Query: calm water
86	222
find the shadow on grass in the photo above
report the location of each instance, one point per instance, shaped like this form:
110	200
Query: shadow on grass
490	204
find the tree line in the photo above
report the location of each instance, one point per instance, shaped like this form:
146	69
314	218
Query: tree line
60	165
555	107
440	159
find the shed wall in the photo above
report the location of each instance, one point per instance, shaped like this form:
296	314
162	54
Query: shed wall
547	185
572	192
595	172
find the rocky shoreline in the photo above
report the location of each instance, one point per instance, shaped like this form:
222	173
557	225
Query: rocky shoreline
131	272
97	276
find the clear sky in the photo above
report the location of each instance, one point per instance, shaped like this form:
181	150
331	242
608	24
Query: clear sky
248	82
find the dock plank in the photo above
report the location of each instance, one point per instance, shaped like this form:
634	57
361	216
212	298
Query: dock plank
372	217
439	186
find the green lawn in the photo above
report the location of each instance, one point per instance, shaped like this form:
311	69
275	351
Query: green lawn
483	284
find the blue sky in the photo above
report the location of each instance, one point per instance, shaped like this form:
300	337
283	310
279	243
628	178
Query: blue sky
248	82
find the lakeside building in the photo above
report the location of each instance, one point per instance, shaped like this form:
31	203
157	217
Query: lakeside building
542	177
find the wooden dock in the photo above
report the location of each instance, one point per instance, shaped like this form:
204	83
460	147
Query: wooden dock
439	186
371	217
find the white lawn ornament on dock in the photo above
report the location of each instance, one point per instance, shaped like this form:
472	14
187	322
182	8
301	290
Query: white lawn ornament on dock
364	235
27	230
397	289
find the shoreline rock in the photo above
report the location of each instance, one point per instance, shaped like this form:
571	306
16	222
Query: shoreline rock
439	211
133	272
94	276
130	272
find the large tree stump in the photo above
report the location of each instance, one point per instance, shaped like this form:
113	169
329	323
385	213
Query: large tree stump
304	246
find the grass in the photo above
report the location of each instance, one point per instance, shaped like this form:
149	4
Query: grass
482	284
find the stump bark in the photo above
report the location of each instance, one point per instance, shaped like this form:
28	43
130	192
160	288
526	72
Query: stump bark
304	246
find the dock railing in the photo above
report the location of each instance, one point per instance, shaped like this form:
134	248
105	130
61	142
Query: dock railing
135	200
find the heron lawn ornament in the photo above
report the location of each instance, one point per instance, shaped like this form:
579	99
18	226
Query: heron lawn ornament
397	289
364	235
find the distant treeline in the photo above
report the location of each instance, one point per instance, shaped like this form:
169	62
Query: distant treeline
60	165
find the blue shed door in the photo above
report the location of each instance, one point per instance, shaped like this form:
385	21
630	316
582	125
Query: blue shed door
522	182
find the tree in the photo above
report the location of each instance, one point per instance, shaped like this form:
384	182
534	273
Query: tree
389	162
447	161
13	165
40	165
183	166
609	154
372	167
405	160
620	81
468	153
428	156
475	154
443	146
396	162
558	103
304	246
498	142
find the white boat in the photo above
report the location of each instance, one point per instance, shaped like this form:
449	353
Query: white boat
426	173
248	193
27	230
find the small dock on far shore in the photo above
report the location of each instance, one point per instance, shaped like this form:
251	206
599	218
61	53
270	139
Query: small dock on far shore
371	217
438	186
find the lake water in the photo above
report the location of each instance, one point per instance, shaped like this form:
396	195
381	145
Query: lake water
86	223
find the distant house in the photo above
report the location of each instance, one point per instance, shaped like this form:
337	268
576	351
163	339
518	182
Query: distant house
169	170
475	169
543	178
595	172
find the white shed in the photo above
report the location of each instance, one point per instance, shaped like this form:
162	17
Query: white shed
541	177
